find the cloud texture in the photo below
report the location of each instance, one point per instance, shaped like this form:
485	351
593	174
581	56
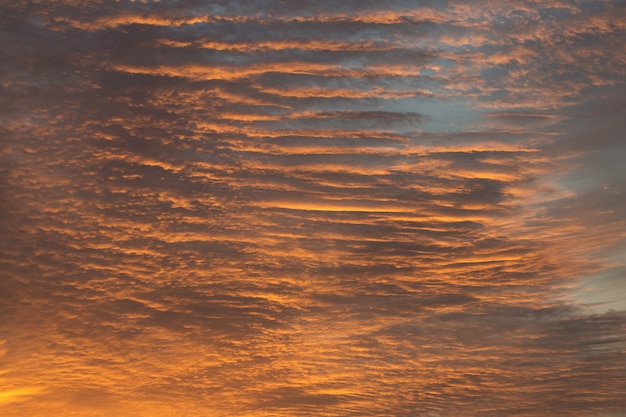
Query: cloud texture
307	208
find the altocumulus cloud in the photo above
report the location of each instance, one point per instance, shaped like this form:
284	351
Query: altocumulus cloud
296	208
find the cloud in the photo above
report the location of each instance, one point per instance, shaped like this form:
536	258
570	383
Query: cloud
7	397
295	207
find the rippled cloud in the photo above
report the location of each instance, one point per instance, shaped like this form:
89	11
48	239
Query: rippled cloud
287	208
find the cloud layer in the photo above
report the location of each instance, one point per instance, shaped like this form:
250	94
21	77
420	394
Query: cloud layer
296	208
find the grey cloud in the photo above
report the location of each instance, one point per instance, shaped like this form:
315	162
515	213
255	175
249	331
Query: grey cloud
518	119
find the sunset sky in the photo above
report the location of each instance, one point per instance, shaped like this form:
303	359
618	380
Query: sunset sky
279	208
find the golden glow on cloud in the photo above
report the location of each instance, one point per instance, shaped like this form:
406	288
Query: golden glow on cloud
20	394
302	208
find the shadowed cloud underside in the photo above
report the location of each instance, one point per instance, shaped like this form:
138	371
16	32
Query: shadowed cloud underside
303	208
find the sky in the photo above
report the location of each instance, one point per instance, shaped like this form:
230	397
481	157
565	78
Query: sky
287	208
